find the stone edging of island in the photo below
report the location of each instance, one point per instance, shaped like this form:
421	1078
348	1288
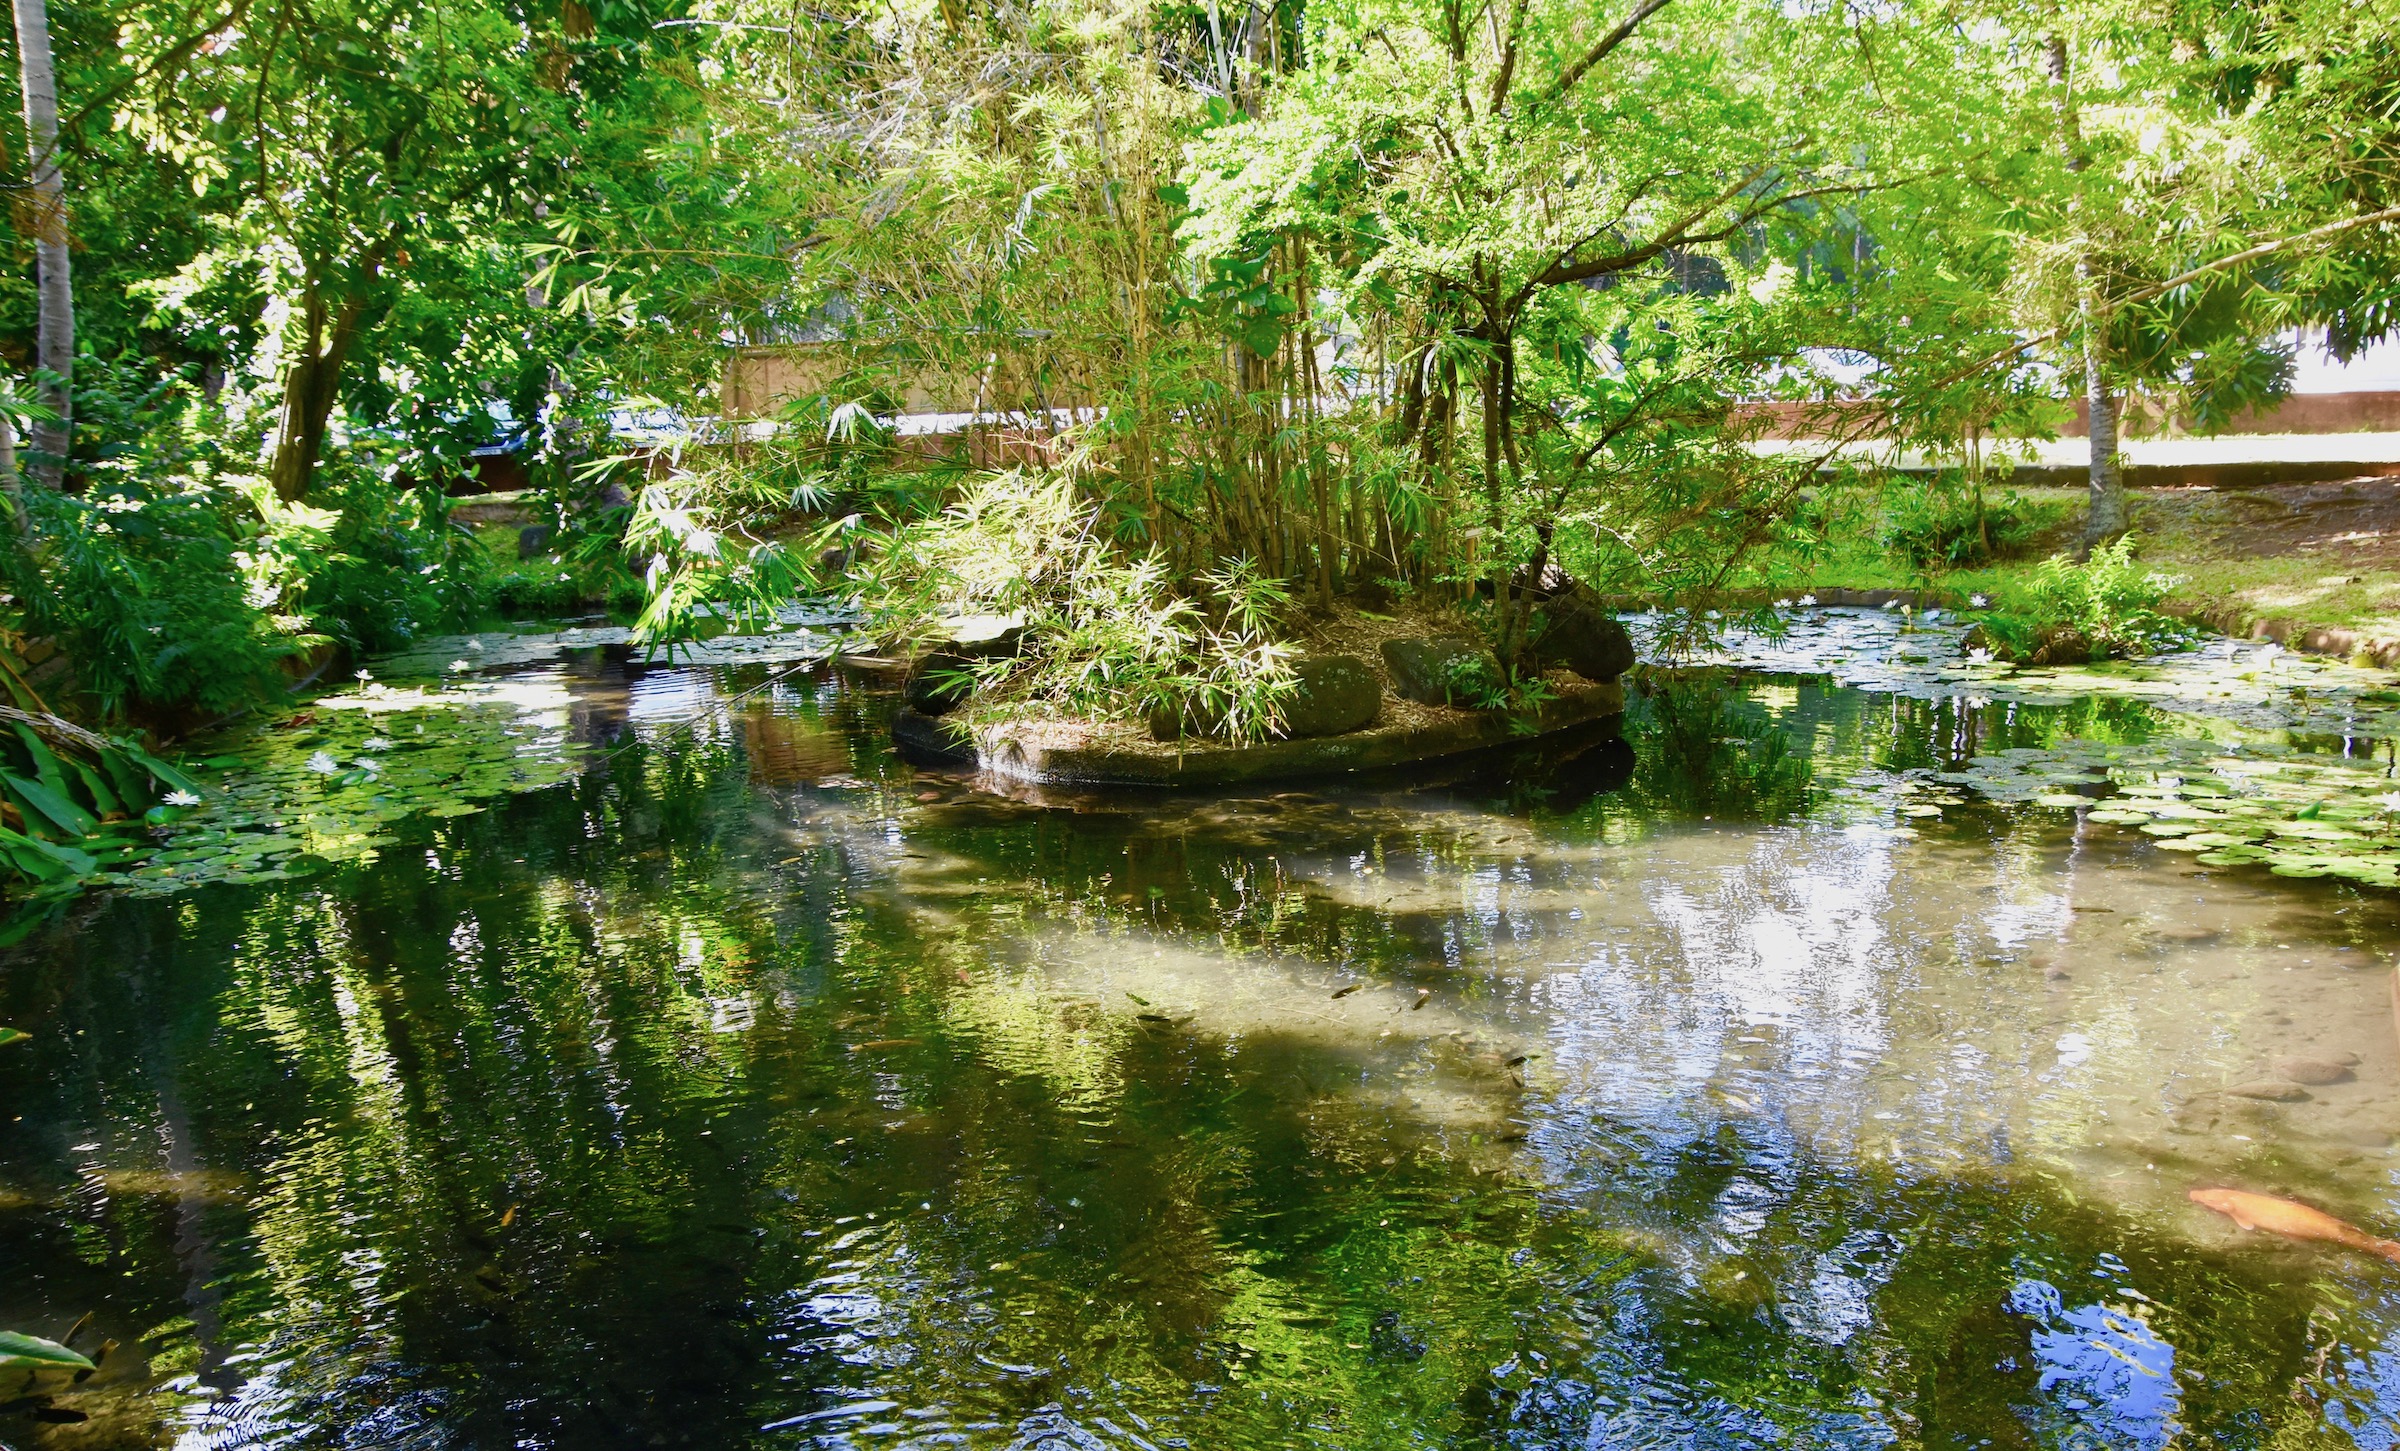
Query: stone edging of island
1077	753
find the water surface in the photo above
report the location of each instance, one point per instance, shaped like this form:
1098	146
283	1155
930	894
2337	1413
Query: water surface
1731	1086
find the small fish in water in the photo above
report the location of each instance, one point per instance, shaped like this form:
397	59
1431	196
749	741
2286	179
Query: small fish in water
1343	992
1424	996
880	1043
2292	1220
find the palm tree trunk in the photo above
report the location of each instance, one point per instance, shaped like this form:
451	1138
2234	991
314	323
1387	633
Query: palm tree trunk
54	349
2106	516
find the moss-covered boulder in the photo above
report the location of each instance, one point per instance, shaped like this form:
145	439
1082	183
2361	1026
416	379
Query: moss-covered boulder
942	679
1337	694
1575	632
1442	670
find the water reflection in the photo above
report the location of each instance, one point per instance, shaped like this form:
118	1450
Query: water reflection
754	1089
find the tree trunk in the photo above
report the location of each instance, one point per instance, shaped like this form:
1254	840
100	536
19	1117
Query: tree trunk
2106	518
311	384
54	347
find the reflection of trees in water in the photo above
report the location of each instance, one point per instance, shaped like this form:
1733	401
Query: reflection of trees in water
1707	749
1944	734
523	1170
792	750
1748	748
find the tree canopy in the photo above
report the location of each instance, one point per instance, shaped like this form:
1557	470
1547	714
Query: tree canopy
1425	295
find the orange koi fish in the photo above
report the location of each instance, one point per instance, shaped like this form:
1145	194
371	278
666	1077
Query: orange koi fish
2292	1220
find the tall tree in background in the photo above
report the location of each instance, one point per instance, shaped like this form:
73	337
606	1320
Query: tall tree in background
55	349
377	153
1565	223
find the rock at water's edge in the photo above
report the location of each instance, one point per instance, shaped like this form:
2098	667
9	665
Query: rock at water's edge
1337	694
1432	671
1576	633
940	683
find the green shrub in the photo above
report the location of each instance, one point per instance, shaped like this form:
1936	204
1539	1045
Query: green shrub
2101	608
1100	634
1104	635
389	566
1939	528
151	596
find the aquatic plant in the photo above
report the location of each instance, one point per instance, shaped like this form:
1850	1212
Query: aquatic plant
2264	803
330	782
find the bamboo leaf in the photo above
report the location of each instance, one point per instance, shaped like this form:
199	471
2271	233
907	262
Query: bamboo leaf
32	1352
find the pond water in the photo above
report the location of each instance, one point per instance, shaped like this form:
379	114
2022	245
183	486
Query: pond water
715	1078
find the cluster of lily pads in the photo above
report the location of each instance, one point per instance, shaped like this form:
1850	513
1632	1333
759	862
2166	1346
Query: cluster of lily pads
805	630
1924	656
2299	814
2219	777
328	783
484	719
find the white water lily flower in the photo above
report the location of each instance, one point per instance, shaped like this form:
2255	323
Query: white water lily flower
1979	657
457	665
364	677
369	765
181	798
1979	602
323	763
1808	602
374	743
1783	604
1933	614
2389	801
474	644
1891	604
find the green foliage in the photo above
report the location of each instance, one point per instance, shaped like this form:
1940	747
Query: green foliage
1945	528
154	595
76	803
2100	608
1104	635
375	566
31	1352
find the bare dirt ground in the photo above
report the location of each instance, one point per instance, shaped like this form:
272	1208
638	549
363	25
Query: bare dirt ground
2356	522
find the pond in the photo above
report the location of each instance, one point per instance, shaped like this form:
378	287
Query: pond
1809	1068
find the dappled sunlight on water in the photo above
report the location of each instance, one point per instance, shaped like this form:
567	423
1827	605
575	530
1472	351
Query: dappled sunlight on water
1747	1086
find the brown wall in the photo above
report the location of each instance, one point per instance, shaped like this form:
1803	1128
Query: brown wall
2377	412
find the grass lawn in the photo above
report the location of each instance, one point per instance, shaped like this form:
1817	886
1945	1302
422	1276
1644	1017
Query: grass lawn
2322	554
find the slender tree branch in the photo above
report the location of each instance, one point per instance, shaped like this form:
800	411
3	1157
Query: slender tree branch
1607	43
